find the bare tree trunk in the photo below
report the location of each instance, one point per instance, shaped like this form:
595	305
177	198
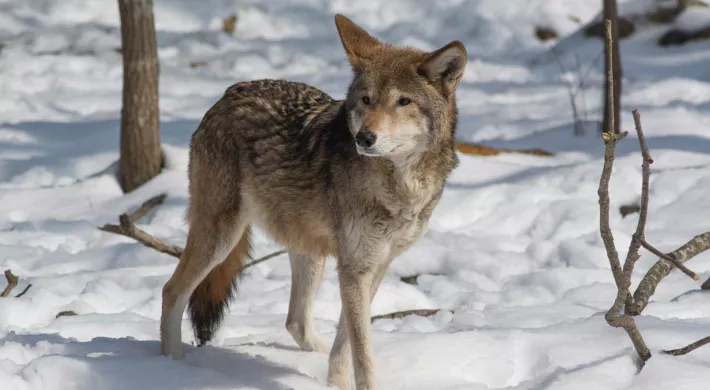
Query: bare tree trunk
611	13
141	158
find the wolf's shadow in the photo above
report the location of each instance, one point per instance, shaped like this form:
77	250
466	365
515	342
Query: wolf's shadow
108	364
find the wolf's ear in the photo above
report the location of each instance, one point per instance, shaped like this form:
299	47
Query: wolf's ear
356	41
447	64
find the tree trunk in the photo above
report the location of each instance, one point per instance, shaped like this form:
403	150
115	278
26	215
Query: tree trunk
141	157
611	13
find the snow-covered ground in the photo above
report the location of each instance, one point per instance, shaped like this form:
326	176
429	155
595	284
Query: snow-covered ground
513	254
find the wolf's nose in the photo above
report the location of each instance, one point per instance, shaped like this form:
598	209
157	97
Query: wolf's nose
365	138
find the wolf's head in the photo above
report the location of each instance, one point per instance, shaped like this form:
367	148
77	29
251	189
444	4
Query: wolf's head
401	99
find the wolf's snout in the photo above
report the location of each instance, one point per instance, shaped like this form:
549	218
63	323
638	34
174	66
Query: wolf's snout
365	139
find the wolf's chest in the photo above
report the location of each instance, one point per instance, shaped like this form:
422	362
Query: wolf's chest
404	221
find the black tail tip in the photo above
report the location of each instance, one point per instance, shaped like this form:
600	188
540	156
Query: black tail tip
206	315
203	336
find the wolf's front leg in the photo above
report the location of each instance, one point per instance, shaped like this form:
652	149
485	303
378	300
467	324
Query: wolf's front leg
340	357
306	275
355	289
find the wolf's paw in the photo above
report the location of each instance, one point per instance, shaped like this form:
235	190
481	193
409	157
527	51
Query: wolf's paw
307	338
341	382
172	350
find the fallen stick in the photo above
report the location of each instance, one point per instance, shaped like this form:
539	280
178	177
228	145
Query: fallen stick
24	291
147	206
401	314
482	150
128	228
662	268
689	348
12	281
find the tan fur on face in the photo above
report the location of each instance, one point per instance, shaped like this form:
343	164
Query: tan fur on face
400	130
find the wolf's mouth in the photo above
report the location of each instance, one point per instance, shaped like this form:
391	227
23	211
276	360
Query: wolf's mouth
369	152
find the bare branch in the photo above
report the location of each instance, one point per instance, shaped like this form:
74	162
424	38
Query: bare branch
66	313
572	94
12	281
612	65
483	150
706	285
622	277
24	291
610	77
662	268
128	228
581	88
670	258
610	139
639	238
146	207
689	348
401	314
614	317
632	255
267	257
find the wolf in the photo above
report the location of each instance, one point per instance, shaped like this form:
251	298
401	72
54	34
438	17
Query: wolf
356	179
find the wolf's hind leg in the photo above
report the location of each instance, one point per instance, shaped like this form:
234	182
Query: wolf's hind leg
209	242
306	274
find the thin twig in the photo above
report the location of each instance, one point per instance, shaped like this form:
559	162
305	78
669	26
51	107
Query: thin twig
12	281
128	228
267	257
610	139
610	75
594	64
706	285
572	93
689	347
632	255
24	291
662	268
66	313
146	207
404	313
670	258
581	86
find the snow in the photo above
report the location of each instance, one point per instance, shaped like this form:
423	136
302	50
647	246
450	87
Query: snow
513	255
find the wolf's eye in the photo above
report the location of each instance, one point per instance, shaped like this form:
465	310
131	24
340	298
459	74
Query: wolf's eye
403	101
366	100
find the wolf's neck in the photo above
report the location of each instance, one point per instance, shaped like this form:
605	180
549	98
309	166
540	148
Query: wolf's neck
417	177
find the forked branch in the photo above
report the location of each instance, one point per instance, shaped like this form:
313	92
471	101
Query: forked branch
128	228
625	306
663	267
622	276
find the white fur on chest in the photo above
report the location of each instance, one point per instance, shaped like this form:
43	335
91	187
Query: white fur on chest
411	195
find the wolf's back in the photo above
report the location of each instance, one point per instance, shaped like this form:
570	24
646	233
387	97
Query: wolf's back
276	139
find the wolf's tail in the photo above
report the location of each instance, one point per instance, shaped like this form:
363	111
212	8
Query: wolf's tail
210	300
